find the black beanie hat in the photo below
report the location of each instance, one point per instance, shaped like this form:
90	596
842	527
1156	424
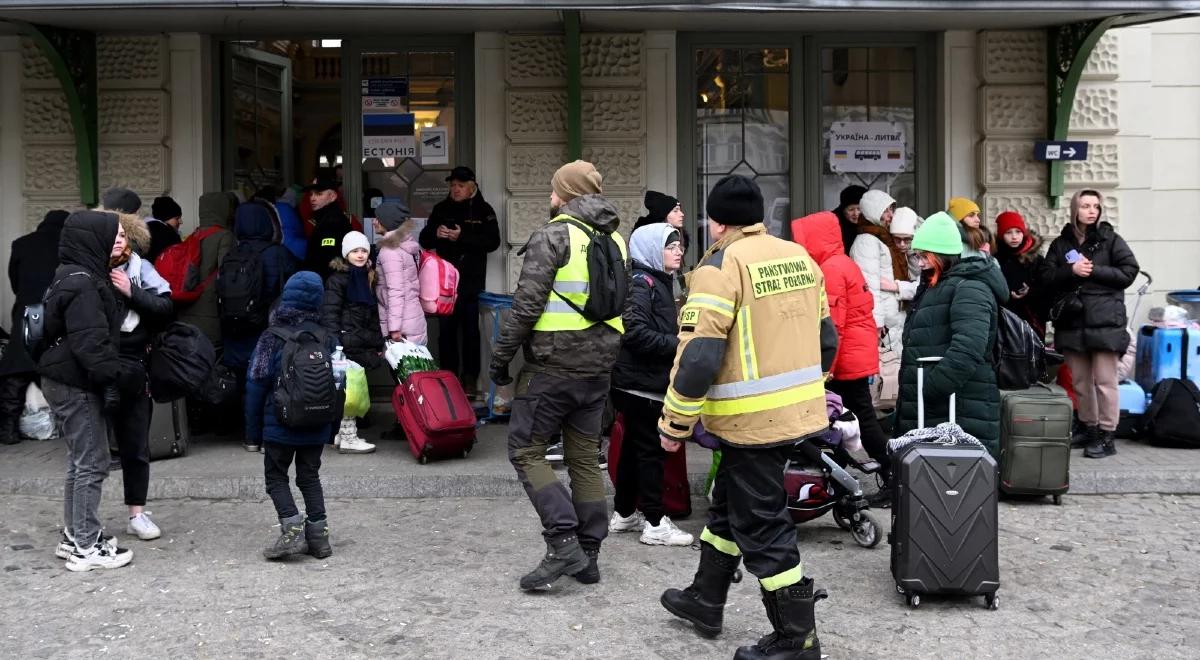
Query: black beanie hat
735	200
123	200
852	195
165	208
658	206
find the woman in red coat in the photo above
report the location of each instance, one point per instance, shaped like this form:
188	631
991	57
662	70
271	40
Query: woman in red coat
852	309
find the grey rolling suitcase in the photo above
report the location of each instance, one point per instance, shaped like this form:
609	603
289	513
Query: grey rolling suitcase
168	429
945	536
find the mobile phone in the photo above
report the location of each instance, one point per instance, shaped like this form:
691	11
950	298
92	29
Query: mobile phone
1073	256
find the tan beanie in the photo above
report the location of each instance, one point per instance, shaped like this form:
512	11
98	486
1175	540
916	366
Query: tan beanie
576	180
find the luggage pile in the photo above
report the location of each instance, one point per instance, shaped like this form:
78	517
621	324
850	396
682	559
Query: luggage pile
1162	402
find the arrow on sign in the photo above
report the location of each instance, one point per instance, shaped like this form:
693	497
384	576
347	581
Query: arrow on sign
1069	152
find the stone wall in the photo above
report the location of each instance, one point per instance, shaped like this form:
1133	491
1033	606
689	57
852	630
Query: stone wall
134	125
614	126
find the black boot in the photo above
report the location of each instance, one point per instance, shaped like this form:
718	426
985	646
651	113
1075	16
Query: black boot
790	610
317	535
1081	435
563	557
703	603
1109	440
1095	445
591	574
882	498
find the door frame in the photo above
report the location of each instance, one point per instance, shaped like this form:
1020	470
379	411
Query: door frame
230	50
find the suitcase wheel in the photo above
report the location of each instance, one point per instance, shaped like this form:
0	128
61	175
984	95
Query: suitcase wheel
913	600
1057	502
992	601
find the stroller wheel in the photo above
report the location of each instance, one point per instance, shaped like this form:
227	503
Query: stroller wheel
866	531
841	519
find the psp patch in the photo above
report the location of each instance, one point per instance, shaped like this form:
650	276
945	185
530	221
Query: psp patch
777	276
328	242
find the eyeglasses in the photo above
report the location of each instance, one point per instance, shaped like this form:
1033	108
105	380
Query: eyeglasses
902	240
674	247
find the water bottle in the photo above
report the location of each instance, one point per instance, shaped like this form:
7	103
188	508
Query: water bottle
340	364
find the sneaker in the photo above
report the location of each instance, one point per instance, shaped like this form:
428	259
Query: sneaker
100	555
249	447
355	446
66	543
665	533
554	453
602	459
634	523
142	527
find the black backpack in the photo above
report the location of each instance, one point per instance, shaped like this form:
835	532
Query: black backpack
33	322
1173	418
241	290
180	363
305	393
608	281
1019	354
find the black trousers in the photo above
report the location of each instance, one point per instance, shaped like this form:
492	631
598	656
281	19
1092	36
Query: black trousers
12	403
640	467
130	429
856	397
464	320
749	511
277	458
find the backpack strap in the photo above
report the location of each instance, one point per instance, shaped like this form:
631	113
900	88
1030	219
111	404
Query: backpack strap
1159	398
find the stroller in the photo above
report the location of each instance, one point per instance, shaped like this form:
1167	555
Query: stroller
817	482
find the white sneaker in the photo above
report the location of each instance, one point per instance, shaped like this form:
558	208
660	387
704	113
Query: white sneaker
665	533
355	446
100	556
66	543
633	523
142	527
554	453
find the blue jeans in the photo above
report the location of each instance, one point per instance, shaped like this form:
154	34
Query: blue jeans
85	430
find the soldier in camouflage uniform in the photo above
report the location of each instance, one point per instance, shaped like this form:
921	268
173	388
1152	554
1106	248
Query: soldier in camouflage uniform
569	360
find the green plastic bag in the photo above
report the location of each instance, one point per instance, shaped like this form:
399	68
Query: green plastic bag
358	397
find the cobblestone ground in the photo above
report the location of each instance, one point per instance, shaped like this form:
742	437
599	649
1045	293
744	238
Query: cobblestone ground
1099	577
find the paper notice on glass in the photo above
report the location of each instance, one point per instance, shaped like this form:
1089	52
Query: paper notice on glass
435	146
867	146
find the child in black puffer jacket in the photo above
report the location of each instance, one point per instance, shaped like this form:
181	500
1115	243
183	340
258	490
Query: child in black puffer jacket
351	312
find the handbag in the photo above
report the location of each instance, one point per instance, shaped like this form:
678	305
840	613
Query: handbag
1069	304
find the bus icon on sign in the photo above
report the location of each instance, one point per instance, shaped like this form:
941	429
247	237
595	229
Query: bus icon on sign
867	154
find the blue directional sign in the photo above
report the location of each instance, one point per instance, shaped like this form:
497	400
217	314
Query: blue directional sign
1060	150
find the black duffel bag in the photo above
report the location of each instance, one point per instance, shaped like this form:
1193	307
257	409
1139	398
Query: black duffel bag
181	361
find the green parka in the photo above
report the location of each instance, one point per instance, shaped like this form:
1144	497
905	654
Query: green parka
956	321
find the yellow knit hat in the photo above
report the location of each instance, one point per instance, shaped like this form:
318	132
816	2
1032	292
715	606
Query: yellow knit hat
961	207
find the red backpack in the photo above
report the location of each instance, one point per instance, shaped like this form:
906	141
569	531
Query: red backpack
179	265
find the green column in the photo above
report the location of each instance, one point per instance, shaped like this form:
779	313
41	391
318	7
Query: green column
574	86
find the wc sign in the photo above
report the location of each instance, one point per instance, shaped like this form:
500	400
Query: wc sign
867	146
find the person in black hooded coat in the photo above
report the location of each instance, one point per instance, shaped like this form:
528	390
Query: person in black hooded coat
31	265
849	214
83	378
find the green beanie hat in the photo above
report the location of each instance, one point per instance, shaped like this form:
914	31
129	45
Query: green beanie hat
939	235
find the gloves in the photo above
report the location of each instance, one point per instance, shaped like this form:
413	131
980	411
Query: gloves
499	374
112	399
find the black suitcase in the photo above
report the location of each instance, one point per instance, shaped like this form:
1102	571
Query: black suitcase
945	536
168	430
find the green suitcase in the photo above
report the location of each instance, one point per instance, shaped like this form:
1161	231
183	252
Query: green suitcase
1035	441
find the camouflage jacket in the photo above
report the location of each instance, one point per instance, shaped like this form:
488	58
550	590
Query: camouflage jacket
585	353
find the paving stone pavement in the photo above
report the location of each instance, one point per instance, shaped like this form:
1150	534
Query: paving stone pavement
1099	577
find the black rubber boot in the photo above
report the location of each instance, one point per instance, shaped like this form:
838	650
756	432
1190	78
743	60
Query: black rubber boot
290	541
563	557
703	603
317	536
790	610
1109	440
591	574
1095	446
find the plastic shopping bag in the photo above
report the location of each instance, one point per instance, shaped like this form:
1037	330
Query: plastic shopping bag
37	421
358	397
406	358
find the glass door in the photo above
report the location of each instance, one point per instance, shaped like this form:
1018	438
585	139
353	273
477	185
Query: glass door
258	116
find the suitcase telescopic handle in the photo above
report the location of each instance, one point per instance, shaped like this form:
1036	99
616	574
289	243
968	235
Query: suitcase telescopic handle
921	362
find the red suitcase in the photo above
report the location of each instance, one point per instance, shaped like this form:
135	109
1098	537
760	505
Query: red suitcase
435	415
677	495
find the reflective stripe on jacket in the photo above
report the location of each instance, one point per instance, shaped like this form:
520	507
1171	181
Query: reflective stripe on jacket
571	283
754	337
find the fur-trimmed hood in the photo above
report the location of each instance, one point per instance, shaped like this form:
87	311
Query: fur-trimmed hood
401	238
269	344
136	231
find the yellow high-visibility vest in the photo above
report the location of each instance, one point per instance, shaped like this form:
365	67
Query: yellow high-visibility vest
571	282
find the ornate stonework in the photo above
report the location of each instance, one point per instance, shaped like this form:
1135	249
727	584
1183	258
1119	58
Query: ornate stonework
1095	109
622	165
1104	63
628	209
1016	56
525	214
535	61
514	267
1102	169
50	171
612	59
1035	208
530	166
133	116
35	68
1010	164
45	117
142	169
131	61
1013	109
614	113
536	116
35	210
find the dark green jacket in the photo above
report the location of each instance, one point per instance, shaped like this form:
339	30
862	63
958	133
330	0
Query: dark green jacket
955	320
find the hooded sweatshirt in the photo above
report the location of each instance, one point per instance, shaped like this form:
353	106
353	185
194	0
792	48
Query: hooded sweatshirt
216	210
850	303
651	330
572	354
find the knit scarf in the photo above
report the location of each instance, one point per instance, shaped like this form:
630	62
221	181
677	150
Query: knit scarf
358	288
899	258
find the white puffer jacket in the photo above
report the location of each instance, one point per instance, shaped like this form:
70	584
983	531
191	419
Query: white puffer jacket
875	260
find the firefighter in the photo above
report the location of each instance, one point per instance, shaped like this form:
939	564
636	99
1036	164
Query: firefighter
755	345
569	357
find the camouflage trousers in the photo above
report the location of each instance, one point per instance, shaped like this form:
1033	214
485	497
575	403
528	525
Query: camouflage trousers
574	407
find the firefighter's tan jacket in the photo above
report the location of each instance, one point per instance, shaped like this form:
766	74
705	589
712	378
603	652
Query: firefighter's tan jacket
755	339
